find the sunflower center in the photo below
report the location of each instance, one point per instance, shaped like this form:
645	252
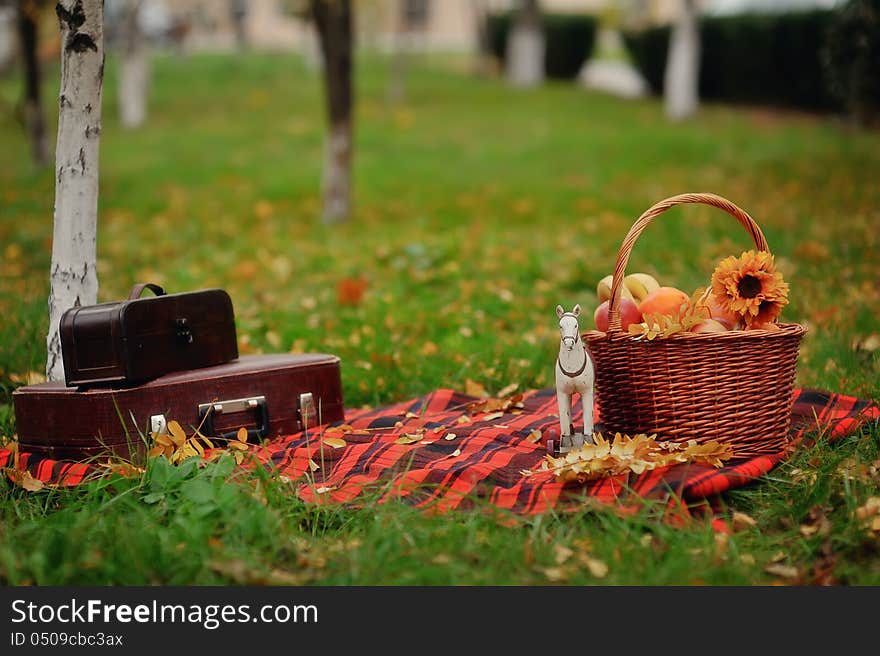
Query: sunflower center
748	286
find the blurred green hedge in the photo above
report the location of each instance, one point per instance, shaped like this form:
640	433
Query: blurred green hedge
775	59
569	41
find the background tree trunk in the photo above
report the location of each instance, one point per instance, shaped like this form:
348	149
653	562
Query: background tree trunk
8	40
238	10
333	19
681	78
483	54
409	29
34	120
525	47
73	278
134	74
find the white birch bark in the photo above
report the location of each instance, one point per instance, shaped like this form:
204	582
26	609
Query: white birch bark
680	92
73	278
524	59
134	72
336	179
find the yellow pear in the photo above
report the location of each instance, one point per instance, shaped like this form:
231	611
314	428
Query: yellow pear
603	290
640	285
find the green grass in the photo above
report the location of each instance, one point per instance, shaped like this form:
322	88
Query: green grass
478	209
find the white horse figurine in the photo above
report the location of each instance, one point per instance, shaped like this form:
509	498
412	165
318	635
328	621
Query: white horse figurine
574	375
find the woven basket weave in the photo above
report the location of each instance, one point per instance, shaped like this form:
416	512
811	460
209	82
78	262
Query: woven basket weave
735	387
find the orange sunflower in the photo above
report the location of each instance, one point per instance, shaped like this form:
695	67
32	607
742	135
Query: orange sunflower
750	287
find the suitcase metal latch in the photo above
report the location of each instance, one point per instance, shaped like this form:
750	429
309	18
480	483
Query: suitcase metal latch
183	331
158	425
208	411
308	414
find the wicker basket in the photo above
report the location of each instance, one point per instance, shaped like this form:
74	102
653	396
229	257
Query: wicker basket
735	387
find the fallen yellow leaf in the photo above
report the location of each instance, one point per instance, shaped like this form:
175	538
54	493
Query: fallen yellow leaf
562	553
507	391
742	521
176	432
597	567
784	571
473	388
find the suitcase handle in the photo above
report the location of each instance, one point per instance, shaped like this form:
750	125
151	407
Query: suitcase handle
207	412
139	288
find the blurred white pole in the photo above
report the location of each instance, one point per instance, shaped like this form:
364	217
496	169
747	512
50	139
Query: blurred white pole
680	82
133	69
525	47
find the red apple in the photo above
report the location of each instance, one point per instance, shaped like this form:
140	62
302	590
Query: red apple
629	313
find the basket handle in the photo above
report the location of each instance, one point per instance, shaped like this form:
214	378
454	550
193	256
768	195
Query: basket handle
649	215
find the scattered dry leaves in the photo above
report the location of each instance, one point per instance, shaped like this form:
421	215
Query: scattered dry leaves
625	454
817	523
597	567
342	428
869	514
24	479
411	438
496	406
350	291
561	553
473	388
870	343
783	571
742	521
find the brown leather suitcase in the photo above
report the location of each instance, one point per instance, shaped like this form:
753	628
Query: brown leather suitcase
128	342
270	395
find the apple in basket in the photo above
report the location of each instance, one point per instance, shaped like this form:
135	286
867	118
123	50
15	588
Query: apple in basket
663	300
716	311
629	313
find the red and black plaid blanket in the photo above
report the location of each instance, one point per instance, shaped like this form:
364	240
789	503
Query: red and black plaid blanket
462	459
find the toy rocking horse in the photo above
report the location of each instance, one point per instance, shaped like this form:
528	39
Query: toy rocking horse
574	375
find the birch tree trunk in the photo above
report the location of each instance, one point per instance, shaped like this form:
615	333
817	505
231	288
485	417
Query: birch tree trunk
333	19
525	47
134	73
681	78
73	278
35	123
